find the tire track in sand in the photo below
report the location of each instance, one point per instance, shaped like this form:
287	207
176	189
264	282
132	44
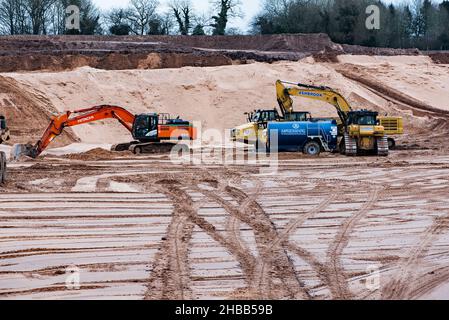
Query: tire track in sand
189	209
427	282
170	273
339	288
265	232
233	228
293	225
262	276
400	286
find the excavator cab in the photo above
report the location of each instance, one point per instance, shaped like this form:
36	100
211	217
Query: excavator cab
259	116
297	116
145	127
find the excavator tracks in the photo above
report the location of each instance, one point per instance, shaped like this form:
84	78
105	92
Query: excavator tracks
149	147
382	146
350	145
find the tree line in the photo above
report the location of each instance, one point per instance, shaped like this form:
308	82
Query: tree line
140	17
422	24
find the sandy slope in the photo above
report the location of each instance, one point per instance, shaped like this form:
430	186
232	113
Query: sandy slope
216	96
416	76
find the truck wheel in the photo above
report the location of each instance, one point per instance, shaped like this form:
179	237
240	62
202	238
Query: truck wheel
391	143
312	148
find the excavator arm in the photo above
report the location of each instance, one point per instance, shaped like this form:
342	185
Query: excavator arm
78	117
320	93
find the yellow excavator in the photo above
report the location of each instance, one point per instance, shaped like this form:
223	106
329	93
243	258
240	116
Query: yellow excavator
4	136
360	131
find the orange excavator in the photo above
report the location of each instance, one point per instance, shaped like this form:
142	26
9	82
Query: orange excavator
147	129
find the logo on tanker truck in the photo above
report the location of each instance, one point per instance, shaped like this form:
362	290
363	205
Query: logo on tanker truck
295	130
334	131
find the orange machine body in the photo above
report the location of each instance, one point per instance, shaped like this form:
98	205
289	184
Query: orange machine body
167	129
173	132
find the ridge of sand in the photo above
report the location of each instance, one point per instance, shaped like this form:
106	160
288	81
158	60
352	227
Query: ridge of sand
217	97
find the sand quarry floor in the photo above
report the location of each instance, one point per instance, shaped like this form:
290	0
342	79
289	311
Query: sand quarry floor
145	227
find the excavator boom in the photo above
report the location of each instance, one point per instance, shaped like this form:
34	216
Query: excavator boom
74	118
320	93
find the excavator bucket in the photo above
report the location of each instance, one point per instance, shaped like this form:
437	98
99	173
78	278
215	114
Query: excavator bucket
19	150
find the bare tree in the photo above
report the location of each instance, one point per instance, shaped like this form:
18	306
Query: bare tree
201	22
38	13
226	9
118	22
8	17
167	23
183	13
141	12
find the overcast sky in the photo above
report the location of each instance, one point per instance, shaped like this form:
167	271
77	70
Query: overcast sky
249	8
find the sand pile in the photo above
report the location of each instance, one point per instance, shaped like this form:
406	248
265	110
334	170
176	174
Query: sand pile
27	112
95	154
217	97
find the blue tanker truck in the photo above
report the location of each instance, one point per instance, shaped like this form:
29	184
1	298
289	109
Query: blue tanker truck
311	137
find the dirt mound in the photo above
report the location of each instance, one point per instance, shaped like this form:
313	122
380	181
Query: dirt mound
217	97
286	42
373	51
27	112
95	154
57	53
440	57
110	61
